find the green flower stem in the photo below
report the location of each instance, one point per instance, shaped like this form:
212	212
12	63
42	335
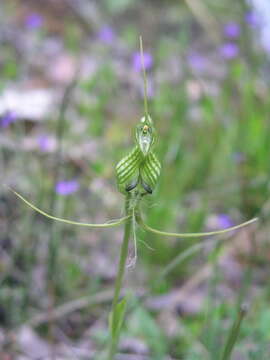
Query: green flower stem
144	80
120	273
191	235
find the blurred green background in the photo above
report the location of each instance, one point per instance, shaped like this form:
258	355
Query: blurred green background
71	92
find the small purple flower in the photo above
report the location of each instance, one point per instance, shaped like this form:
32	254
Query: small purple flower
34	21
238	157
137	63
44	142
252	19
231	30
197	62
9	118
224	221
66	187
229	50
106	34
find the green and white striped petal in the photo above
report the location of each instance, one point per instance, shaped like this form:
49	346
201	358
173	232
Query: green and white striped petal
150	172
127	170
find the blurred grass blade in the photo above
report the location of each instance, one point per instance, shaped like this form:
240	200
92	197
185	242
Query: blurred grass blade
71	222
233	335
192	235
205	18
185	255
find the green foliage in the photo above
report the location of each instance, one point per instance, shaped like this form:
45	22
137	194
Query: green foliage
142	325
117	5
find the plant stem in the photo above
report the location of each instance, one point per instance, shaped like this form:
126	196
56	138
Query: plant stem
144	80
120	273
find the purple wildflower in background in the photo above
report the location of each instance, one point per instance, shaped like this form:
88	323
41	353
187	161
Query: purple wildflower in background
196	62
231	30
252	19
229	50
34	21
9	118
44	142
224	221
66	187
106	34
238	157
137	64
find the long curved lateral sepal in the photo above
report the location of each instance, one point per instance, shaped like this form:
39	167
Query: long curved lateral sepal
77	223
192	235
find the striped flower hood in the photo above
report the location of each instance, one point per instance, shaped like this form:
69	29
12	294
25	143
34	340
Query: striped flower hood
140	169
